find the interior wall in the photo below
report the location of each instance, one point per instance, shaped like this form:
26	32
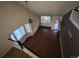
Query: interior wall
35	22
12	15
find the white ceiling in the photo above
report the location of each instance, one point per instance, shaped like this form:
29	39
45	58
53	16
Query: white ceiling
56	8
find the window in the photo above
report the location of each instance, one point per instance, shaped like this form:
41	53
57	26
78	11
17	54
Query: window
21	31
45	19
18	33
28	28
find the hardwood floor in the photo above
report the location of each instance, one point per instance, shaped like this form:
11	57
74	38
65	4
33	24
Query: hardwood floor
45	43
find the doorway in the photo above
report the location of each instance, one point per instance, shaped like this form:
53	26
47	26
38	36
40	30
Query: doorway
56	25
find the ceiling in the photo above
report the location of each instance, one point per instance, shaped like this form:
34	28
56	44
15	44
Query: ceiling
55	8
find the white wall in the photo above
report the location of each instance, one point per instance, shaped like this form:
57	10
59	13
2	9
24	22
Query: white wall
35	24
12	15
